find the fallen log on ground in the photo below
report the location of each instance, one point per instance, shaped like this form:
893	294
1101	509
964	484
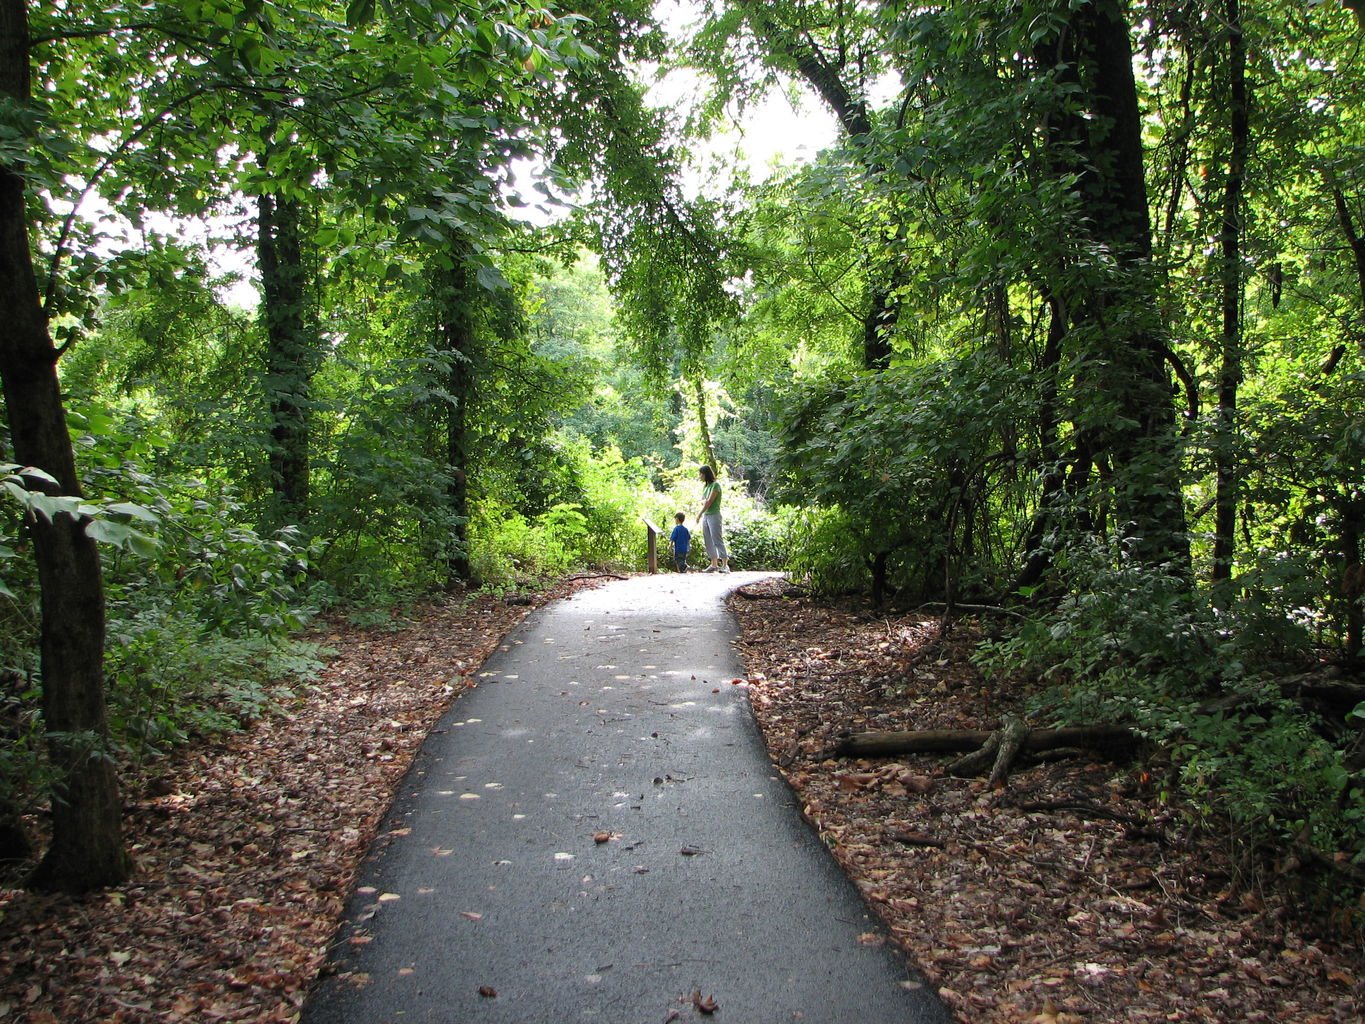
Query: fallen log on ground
1115	742
1335	694
789	590
999	751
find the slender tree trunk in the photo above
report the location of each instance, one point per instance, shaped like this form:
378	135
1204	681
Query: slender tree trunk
708	452
1181	160
1352	511
455	306
825	77
293	349
87	845
1353	238
1038	550
1230	372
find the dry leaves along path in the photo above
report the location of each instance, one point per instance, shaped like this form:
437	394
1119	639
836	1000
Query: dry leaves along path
245	848
596	833
1075	896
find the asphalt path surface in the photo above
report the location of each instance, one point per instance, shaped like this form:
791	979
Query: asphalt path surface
595	833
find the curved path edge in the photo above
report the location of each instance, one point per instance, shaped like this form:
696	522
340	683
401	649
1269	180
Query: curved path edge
596	833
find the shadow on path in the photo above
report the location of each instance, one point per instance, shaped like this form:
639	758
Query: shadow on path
595	833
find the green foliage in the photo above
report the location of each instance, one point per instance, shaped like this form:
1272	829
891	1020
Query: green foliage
828	550
171	677
200	612
1270	772
108	521
592	520
380	507
756	536
1131	643
1124	632
910	459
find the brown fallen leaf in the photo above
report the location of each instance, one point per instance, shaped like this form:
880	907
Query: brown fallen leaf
706	1004
915	783
856	780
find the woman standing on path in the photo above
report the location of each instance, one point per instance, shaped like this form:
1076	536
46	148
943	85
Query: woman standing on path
712	529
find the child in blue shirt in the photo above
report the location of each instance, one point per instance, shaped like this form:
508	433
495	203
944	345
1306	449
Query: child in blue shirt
682	542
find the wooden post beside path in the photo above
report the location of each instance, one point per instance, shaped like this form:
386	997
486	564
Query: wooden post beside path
653	531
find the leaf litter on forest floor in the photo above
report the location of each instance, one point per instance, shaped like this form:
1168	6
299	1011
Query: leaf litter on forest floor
245	848
1073	895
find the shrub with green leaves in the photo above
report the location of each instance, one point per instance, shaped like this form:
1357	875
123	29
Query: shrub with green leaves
200	609
910	458
170	678
1131	643
756	536
592	521
826	552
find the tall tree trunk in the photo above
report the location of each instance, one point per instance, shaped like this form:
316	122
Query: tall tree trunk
1230	372
455	304
1053	497
1117	325
1353	238
1351	507
293	348
87	844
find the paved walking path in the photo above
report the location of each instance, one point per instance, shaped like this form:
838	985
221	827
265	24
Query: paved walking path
492	899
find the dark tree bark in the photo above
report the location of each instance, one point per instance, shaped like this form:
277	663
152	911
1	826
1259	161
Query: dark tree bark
293	348
1051	501
87	846
1351	508
455	303
1115	324
1230	372
1353	238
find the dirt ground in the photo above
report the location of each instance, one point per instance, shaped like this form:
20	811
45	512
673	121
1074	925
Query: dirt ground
1072	895
1075	894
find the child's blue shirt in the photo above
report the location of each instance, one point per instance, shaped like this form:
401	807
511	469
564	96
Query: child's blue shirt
682	539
